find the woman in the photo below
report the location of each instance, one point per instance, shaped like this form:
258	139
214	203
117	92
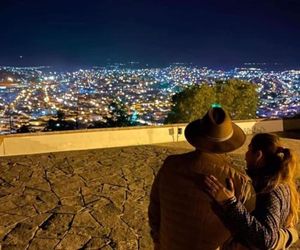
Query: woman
272	170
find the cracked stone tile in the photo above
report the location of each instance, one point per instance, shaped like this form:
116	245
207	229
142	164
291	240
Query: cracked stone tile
8	246
96	243
9	180
127	244
102	204
24	231
5	183
53	174
25	175
7	204
55	227
72	201
89	232
123	231
39	185
107	247
94	232
84	219
7	220
137	191
74	183
18	172
26	211
107	161
115	179
20	235
145	242
43	201
135	216
4	231
91	174
3	168
116	194
64	166
73	241
63	209
45	207
106	212
23	200
43	243
38	181
45	162
91	192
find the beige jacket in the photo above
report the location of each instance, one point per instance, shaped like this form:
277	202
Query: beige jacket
180	214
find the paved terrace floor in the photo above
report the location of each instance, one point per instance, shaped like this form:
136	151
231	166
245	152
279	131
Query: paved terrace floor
95	199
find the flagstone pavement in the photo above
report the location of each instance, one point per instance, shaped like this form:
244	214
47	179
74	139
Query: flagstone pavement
94	199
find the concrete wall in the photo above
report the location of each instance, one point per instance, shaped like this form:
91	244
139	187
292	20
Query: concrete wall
291	124
261	126
24	144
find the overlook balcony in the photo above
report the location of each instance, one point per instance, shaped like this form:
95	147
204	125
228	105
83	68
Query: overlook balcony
88	199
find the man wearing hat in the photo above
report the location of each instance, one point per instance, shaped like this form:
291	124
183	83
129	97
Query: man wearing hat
181	216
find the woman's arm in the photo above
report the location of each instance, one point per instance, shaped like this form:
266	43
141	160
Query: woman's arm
258	232
260	229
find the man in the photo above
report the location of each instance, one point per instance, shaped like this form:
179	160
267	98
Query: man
181	216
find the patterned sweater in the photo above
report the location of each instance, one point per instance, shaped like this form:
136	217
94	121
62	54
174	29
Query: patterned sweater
259	229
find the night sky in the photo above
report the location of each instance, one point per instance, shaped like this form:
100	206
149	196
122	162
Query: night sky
214	33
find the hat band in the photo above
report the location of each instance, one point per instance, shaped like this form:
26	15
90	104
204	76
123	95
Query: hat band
218	139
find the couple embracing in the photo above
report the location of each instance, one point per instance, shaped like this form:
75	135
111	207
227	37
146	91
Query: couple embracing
199	201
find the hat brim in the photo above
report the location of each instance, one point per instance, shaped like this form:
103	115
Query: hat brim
196	136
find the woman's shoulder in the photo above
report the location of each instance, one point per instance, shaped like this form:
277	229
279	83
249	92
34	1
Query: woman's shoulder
279	194
281	189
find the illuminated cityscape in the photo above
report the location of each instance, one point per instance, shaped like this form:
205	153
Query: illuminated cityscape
105	73
69	61
33	95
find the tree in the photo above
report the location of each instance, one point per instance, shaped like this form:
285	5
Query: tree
238	97
191	103
60	123
60	115
24	129
295	116
117	117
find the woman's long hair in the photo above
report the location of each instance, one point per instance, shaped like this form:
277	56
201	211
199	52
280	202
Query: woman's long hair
280	168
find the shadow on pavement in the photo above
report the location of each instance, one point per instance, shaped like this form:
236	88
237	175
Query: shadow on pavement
291	134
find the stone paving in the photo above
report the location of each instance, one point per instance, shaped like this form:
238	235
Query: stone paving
95	199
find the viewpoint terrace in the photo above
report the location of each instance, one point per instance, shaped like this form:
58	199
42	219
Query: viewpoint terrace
88	199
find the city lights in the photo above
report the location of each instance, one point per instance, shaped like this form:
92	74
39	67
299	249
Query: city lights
35	95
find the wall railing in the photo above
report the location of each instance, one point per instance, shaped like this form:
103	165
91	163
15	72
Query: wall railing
44	142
